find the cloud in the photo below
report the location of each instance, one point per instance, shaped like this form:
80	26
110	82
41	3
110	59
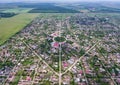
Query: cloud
53	0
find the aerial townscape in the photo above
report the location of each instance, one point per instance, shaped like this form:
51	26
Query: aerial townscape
59	44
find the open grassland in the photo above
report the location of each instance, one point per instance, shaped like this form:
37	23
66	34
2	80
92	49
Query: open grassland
55	15
10	26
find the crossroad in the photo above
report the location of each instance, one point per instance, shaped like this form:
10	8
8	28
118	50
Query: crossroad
60	73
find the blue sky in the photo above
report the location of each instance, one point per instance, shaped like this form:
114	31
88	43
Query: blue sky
52	0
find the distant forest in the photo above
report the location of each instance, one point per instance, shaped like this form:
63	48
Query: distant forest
6	15
98	8
48	8
54	8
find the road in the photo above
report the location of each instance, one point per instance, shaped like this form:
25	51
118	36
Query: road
60	60
80	58
41	58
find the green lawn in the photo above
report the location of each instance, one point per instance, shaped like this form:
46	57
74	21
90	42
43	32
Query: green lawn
12	25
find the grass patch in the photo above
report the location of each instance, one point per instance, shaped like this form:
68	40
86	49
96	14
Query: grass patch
27	62
10	26
58	16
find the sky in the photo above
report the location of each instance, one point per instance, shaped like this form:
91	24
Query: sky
7	1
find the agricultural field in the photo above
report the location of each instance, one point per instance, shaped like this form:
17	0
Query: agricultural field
10	26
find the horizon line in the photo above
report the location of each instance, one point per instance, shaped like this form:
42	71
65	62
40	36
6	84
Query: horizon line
56	1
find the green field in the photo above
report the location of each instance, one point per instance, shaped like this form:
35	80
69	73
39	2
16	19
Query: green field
10	26
55	15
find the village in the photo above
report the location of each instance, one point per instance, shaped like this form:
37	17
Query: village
77	50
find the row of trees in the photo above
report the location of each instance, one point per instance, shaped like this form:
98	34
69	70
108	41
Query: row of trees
6	15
